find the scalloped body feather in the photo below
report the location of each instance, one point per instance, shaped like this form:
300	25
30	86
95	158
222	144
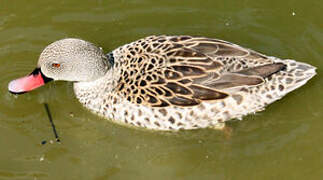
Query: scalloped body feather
183	82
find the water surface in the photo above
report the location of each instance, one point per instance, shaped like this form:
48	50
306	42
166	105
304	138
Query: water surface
283	142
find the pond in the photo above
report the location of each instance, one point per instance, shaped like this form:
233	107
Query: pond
282	142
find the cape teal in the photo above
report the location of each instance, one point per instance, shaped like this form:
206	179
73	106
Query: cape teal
168	82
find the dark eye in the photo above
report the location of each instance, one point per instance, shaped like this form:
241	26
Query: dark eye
56	65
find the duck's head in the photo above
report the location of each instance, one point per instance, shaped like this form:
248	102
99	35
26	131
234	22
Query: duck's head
67	59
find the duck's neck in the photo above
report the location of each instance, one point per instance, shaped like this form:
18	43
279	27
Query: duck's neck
90	94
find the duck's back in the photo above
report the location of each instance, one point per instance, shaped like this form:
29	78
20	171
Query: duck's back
181	82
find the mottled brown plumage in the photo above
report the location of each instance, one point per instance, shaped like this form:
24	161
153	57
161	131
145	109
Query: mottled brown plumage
184	71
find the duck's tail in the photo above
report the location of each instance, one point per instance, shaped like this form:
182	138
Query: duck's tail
291	76
295	75
281	78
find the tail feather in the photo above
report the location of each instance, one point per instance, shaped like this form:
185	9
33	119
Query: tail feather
296	74
287	77
293	76
264	70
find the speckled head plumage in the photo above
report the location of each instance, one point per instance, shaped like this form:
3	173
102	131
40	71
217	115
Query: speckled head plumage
73	60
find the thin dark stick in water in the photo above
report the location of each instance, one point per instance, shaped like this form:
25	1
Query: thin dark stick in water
51	122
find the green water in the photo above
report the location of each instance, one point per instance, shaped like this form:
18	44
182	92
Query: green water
283	142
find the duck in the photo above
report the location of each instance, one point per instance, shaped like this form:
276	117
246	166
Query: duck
167	83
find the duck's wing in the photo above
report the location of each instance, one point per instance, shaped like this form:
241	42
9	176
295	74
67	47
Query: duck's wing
184	71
